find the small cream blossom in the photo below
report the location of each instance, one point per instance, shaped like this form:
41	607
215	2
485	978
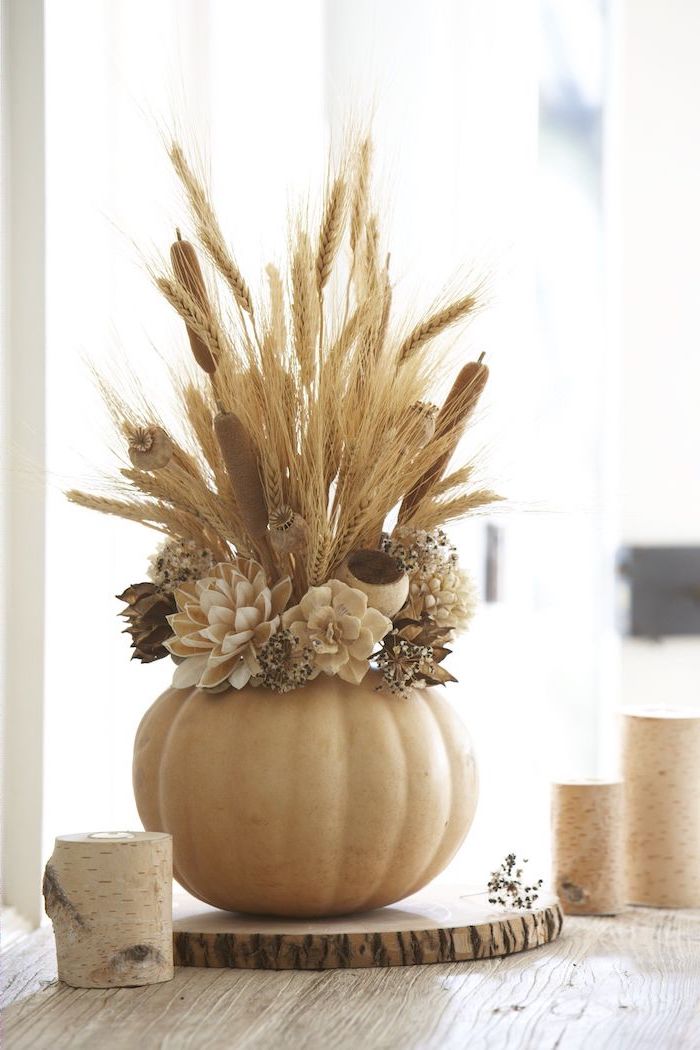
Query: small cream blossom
335	623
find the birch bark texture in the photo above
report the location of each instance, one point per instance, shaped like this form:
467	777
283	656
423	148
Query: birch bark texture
588	846
109	895
661	768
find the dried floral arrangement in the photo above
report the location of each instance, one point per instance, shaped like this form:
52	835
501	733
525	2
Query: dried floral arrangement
306	426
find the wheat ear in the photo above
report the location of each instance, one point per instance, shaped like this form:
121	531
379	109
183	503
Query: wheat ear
203	324
278	326
433	513
361	195
331	232
435	324
209	231
305	312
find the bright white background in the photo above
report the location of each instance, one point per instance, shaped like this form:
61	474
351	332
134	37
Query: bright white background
511	135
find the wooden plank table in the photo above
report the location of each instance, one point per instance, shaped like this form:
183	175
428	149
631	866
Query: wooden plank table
609	984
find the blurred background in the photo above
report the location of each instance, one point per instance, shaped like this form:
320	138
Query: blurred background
553	145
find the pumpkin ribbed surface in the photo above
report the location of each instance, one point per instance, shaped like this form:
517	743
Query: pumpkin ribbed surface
330	799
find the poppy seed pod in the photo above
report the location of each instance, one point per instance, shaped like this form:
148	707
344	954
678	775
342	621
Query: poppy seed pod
289	532
377	575
150	448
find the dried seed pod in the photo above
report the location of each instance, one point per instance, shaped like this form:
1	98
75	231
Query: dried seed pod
289	533
377	575
150	448
189	273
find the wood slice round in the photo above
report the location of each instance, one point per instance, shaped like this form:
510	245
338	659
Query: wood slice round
442	924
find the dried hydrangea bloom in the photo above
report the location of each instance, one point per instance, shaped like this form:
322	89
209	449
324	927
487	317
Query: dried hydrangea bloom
335	623
222	622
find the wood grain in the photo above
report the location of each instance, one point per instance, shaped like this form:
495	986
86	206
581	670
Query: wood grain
431	927
625	983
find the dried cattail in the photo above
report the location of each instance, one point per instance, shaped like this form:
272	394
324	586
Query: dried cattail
377	575
150	448
289	533
449	426
239	454
189	273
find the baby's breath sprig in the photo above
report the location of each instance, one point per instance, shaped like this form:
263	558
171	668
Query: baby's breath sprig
506	887
284	665
418	549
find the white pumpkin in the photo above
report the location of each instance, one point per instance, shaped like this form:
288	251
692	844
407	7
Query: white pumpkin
331	799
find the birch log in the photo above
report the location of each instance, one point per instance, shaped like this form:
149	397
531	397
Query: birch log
588	846
109	895
661	765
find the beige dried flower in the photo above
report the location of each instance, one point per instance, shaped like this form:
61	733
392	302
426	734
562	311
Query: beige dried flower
334	622
222	622
150	448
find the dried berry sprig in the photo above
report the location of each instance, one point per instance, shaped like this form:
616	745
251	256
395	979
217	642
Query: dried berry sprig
418	549
506	886
284	664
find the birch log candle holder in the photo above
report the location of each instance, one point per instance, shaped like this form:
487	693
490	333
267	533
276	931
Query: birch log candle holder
109	895
588	846
661	764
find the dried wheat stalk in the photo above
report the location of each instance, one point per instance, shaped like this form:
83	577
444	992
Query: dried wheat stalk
316	413
203	324
331	233
209	231
278	324
305	308
435	324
